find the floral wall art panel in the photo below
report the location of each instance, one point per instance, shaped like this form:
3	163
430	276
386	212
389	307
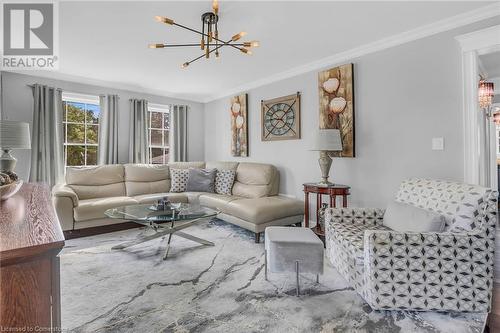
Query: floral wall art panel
336	105
239	125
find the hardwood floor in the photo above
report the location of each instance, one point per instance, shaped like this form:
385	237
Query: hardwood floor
494	317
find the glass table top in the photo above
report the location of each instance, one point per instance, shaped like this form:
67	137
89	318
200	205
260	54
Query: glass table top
148	213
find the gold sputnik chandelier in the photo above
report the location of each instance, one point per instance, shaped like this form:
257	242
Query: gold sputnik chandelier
210	41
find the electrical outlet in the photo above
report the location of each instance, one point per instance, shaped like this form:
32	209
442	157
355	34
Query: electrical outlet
437	143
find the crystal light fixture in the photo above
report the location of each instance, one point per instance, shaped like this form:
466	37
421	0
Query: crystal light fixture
485	93
209	41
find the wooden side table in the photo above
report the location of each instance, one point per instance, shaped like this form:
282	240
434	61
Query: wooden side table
333	191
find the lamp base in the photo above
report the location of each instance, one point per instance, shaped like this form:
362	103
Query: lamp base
325	162
7	161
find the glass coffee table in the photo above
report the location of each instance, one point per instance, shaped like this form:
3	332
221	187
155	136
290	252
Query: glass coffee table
163	222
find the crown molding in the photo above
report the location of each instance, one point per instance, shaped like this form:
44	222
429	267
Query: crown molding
450	23
137	89
482	41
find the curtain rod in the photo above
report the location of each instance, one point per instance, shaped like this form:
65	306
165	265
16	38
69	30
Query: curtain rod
104	95
33	86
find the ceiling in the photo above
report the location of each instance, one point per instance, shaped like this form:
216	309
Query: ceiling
107	41
491	64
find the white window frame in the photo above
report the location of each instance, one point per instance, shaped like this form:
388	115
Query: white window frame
83	99
165	110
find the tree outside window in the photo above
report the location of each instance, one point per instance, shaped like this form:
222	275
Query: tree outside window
81	128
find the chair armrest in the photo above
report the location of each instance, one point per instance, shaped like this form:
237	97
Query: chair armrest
372	216
428	269
63	190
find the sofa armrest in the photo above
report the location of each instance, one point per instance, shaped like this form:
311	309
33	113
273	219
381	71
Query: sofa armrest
63	190
372	216
429	271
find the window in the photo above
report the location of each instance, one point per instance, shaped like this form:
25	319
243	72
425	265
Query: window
81	128
158	131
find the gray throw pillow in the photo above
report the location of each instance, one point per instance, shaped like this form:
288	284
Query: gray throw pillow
403	217
201	180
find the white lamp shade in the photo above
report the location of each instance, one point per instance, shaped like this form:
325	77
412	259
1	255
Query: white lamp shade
14	135
327	139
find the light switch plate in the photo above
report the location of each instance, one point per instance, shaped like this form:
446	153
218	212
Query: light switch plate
437	143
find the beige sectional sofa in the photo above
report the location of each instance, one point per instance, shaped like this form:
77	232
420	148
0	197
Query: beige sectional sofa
254	204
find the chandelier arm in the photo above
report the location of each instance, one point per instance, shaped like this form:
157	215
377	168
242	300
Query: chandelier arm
198	45
205	35
203	55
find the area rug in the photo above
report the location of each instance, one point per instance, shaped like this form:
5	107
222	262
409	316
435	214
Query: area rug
216	289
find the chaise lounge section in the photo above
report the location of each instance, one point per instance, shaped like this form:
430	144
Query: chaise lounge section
88	192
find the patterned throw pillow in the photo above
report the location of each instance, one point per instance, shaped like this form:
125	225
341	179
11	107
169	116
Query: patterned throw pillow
224	181
179	179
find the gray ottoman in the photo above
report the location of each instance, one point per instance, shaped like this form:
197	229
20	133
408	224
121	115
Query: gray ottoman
293	249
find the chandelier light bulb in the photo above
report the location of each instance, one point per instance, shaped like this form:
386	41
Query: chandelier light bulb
215	6
238	36
156	46
164	19
246	51
253	43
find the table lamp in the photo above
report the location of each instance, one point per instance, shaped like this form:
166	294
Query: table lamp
325	141
13	135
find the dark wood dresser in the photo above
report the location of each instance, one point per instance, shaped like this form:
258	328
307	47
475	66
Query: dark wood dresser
30	240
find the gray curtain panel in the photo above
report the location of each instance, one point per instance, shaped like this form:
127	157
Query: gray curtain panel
178	133
138	152
47	161
108	130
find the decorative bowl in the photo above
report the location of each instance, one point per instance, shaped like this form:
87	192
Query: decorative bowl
6	191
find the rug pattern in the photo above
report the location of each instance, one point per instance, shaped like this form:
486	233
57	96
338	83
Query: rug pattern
216	289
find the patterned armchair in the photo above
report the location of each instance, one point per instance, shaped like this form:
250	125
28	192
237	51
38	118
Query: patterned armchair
447	271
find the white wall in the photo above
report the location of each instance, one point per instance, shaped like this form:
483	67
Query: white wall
17	104
404	96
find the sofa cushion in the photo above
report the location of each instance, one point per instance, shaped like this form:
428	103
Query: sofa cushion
262	210
146	178
95	175
221	165
255	180
96	181
179	179
154	197
224	180
138	188
255	173
250	191
351	237
94	208
216	201
403	217
99	191
186	165
146	172
201	180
